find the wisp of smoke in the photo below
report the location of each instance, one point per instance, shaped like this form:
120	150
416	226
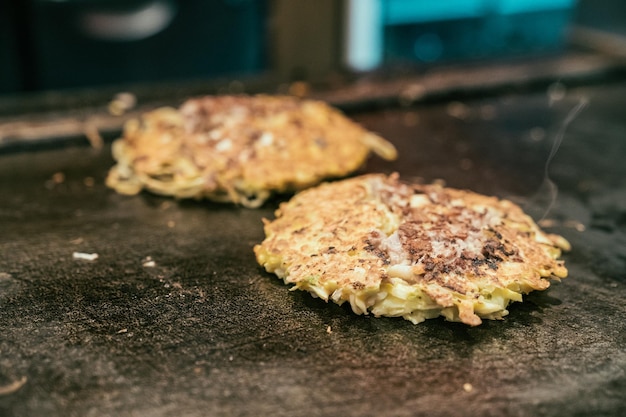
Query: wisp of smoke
552	189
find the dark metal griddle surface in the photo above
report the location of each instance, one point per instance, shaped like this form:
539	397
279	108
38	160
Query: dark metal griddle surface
205	331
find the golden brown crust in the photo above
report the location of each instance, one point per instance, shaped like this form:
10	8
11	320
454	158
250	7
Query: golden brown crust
466	255
240	148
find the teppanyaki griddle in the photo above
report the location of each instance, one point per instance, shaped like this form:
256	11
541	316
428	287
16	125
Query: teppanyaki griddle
205	331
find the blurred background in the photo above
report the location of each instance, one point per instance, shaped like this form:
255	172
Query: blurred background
67	44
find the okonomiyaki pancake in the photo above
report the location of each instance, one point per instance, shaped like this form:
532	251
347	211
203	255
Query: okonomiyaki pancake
415	251
239	149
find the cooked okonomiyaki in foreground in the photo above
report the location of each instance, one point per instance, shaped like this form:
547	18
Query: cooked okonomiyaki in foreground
415	251
239	149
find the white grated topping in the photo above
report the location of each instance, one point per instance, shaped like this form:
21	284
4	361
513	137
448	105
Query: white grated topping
224	145
266	139
393	246
215	134
418	200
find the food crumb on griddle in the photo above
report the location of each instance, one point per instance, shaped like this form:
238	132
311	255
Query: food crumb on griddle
148	262
13	387
85	256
